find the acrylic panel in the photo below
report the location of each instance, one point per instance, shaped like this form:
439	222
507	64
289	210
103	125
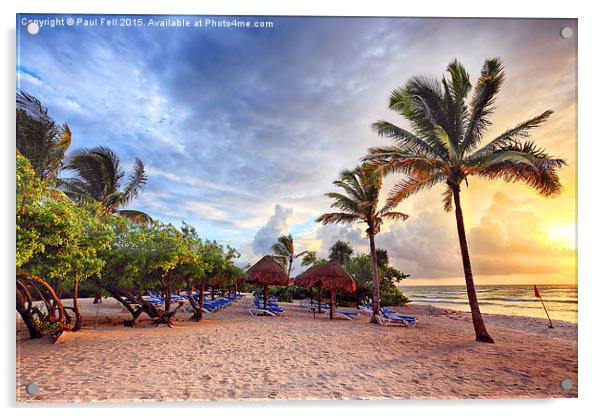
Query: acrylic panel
217	208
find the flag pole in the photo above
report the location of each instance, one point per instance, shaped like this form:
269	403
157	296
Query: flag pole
537	294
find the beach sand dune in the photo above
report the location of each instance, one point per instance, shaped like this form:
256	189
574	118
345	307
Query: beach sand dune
234	356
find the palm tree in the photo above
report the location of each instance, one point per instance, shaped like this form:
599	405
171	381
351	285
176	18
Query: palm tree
360	204
39	138
444	148
99	176
310	258
284	251
340	251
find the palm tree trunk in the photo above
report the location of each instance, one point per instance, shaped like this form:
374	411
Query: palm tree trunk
290	267
375	286
477	320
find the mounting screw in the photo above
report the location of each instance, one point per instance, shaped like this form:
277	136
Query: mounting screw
31	388
32	28
566	32
566	384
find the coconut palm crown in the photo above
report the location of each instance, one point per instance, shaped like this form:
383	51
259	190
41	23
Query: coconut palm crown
284	252
98	175
359	203
39	138
448	128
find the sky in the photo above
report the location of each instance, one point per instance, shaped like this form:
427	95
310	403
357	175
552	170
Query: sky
243	130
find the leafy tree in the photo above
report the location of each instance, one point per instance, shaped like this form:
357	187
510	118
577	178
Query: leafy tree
98	175
284	252
57	242
193	268
359	203
382	257
360	268
340	251
444	148
143	257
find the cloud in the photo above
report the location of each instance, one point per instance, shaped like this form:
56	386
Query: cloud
330	234
231	124
267	235
511	240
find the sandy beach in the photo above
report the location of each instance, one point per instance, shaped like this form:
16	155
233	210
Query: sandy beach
234	356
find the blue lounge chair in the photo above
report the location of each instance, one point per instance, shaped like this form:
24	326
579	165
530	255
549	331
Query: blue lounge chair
393	318
350	315
257	308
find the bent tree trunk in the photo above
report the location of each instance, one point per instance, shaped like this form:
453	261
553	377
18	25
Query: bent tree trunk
55	325
477	320
127	299
24	307
375	285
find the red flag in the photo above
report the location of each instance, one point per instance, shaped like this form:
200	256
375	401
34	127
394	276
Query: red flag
537	295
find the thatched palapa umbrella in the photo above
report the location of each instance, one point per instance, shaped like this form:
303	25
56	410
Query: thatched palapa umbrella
330	276
266	272
303	281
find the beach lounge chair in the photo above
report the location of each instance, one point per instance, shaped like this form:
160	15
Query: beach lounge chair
350	315
257	308
386	318
366	308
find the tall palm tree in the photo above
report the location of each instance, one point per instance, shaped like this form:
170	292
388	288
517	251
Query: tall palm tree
444	148
39	138
360	204
99	176
284	251
340	251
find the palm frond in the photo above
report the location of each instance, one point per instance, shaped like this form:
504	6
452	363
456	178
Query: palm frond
393	159
136	216
483	103
447	199
136	182
520	131
338	218
447	142
456	89
404	139
411	185
523	162
395	216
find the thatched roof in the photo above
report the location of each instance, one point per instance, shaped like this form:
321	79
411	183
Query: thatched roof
267	272
330	276
302	279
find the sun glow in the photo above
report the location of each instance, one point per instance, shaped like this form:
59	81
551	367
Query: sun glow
562	235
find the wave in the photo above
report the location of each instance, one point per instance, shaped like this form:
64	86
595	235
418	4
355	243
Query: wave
494	299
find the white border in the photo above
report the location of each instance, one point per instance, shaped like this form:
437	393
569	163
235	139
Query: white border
590	138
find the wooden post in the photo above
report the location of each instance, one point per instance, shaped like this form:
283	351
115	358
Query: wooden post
319	299
265	296
331	303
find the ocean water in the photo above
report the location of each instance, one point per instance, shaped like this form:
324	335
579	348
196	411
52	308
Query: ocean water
560	300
